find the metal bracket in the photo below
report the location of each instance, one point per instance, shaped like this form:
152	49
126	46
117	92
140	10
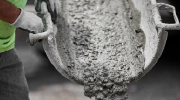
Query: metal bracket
165	26
48	26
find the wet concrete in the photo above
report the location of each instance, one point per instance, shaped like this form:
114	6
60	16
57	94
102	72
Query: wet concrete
45	83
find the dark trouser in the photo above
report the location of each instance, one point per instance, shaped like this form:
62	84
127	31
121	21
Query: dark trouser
13	84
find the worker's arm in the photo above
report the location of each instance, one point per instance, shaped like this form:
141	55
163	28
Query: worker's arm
8	12
20	18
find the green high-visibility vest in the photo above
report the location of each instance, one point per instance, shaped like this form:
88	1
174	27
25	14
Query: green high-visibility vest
7	32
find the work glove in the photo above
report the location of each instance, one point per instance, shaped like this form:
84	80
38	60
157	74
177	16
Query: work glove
54	7
29	22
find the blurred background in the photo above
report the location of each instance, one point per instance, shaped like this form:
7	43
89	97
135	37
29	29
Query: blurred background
45	83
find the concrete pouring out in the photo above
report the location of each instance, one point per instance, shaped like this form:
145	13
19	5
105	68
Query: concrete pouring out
103	38
106	44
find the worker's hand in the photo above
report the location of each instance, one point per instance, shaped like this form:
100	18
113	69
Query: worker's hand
29	22
53	6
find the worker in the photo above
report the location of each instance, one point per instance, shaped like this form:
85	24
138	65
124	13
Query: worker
13	84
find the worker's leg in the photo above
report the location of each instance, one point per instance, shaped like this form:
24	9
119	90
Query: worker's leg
13	84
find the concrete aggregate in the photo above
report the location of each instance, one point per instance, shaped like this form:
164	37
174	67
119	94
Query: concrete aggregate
102	41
